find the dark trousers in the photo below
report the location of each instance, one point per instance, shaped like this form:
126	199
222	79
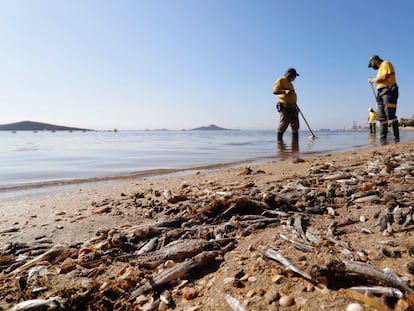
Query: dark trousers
288	116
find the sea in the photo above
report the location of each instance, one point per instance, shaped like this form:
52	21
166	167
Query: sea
38	160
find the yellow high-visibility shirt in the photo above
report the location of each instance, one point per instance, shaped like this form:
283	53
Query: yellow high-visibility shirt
386	68
285	84
372	117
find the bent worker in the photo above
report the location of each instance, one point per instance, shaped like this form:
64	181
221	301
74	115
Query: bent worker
372	120
286	106
387	95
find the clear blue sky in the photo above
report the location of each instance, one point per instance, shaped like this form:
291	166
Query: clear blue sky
179	64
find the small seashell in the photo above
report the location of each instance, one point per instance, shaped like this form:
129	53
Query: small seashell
276	278
169	263
286	301
228	280
363	218
189	293
354	307
331	211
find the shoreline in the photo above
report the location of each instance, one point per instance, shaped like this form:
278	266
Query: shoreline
30	180
18	191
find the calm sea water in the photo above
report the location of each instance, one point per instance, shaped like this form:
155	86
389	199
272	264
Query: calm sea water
36	158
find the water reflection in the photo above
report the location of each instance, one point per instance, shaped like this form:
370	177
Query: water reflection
287	150
376	141
372	139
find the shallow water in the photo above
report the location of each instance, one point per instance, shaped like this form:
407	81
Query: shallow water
40	158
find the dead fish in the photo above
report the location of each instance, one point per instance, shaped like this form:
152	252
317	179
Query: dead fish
369	198
51	254
39	304
174	273
388	242
313	238
178	250
298	245
338	176
233	303
275	255
148	247
387	291
385	222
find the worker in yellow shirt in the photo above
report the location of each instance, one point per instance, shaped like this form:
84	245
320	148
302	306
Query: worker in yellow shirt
387	95
372	120
286	106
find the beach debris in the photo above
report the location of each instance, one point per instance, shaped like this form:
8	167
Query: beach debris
364	272
39	304
233	303
276	255
51	255
174	273
286	301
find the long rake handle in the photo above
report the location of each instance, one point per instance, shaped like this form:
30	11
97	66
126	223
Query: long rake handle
310	130
373	91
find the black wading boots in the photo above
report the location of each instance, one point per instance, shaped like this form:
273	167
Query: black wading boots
295	135
279	136
396	130
384	131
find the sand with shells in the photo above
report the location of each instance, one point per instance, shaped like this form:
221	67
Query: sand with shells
356	206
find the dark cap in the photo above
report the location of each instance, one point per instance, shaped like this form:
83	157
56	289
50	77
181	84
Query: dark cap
374	61
291	71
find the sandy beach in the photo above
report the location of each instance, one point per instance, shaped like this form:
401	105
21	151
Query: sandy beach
341	198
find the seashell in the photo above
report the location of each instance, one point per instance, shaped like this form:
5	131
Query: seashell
286	301
169	263
189	293
354	307
331	211
228	280
276	278
167	194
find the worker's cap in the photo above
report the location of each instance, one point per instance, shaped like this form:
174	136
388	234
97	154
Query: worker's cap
291	71
371	109
374	60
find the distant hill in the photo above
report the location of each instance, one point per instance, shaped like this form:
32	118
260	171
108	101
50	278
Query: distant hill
211	127
37	126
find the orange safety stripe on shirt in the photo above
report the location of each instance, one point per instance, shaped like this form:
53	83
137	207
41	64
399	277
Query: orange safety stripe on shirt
392	105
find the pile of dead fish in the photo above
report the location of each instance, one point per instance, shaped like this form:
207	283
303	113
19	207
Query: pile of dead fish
137	266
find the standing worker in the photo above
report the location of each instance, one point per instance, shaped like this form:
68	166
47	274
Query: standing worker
387	95
286	106
372	120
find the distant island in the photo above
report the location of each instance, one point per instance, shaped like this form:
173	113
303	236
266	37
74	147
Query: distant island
211	127
37	126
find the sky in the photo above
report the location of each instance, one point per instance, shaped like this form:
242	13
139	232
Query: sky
181	64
